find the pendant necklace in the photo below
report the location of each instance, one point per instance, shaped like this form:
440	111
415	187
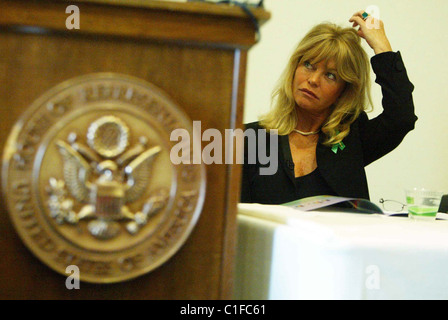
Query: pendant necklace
306	133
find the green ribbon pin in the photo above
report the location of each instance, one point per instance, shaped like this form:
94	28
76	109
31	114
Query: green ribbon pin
337	146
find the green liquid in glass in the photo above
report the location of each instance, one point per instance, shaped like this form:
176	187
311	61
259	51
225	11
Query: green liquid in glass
429	212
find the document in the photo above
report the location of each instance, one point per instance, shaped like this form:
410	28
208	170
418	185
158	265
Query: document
340	203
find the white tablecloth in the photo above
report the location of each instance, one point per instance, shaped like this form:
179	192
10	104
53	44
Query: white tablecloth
287	254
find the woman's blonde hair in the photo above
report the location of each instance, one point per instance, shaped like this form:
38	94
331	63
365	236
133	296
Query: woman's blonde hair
323	42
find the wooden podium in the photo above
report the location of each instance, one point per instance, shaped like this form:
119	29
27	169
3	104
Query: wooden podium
196	53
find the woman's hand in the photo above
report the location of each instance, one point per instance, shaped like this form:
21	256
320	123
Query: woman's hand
372	30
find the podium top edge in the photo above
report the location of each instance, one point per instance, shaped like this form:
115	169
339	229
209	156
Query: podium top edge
204	8
202	23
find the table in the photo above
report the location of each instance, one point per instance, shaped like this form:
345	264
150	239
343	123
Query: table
284	253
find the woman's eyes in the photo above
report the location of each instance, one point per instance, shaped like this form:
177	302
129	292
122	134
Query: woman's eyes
329	75
308	65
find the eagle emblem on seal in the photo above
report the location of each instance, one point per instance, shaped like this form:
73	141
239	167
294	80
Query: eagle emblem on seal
104	176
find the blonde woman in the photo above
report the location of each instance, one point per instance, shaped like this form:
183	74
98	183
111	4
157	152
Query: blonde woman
325	138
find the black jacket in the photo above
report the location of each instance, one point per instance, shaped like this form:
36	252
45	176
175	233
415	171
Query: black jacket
367	141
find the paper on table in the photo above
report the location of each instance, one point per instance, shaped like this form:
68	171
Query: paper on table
441	216
317	202
394	213
275	213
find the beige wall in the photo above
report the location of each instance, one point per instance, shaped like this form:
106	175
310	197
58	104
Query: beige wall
419	30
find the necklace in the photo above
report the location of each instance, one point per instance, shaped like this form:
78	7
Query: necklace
306	133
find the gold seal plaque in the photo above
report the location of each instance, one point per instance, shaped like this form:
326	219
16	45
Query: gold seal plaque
89	182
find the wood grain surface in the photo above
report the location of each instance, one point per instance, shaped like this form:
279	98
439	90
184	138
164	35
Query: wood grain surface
191	53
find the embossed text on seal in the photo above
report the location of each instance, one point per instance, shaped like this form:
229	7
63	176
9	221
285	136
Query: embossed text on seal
89	181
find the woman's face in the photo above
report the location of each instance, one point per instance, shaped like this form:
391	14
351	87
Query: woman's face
317	86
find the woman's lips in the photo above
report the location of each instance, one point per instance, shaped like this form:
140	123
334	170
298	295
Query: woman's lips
309	93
